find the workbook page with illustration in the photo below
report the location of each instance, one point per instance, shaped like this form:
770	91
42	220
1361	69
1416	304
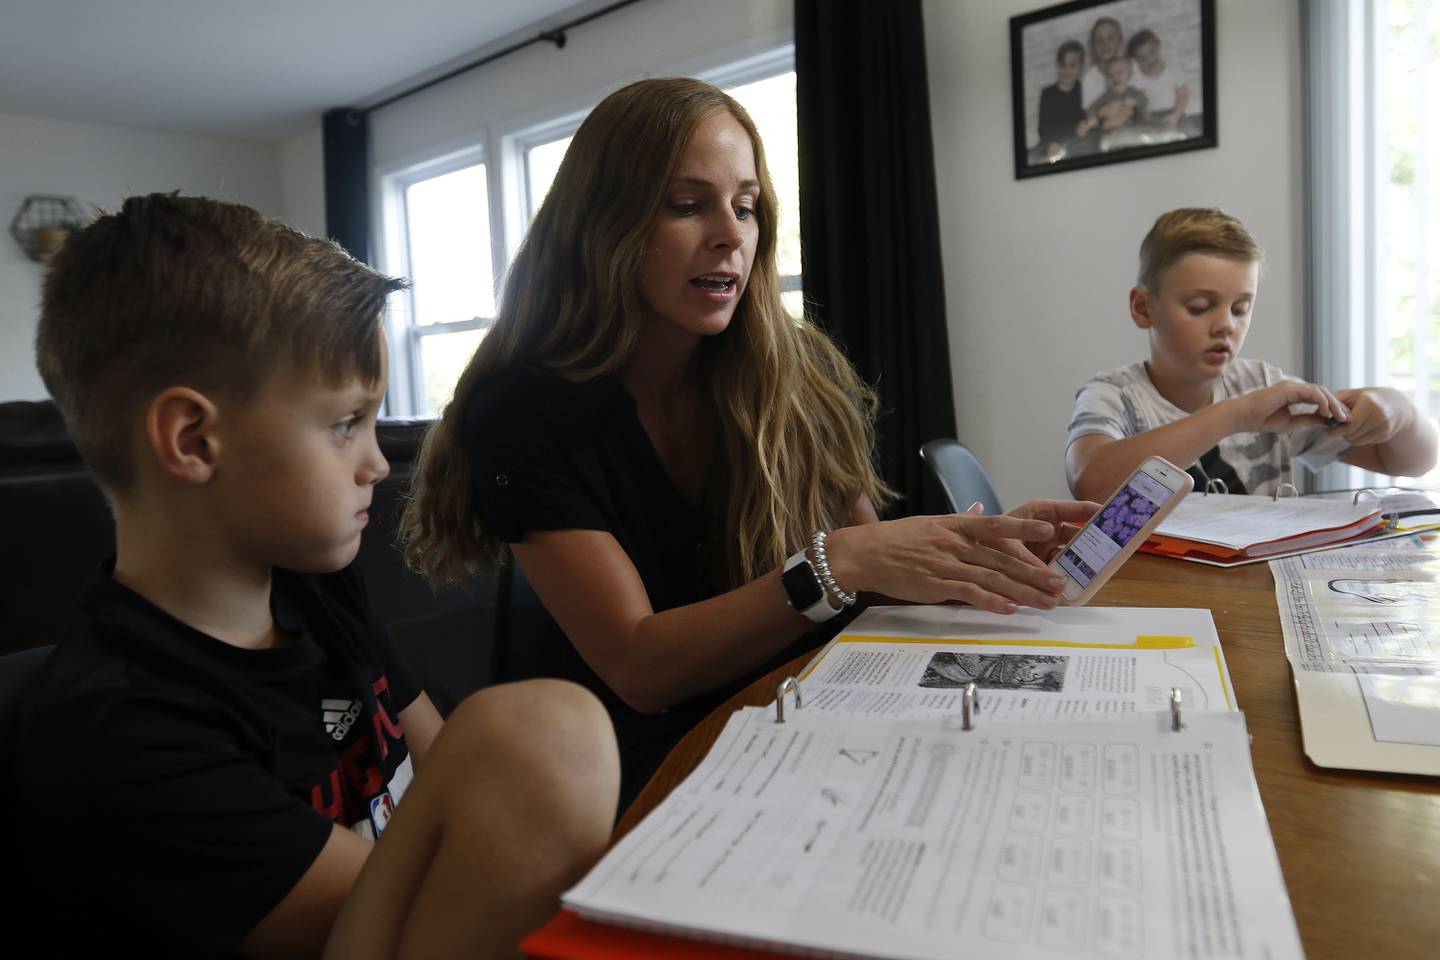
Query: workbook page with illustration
1033	665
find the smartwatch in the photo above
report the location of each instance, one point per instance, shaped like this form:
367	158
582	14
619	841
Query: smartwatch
804	591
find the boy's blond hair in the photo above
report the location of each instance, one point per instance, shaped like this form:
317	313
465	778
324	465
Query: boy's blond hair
189	291
1193	230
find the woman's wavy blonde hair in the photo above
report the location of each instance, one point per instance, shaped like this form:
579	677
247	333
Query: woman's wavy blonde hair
796	421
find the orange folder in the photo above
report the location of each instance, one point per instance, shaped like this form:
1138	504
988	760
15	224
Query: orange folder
1334	536
569	936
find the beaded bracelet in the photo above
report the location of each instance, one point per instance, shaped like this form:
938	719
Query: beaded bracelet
822	568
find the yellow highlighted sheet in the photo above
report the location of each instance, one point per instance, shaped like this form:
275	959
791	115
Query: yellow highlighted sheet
1033	665
1139	643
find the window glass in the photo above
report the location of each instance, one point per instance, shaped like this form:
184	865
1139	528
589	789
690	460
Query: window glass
771	104
794	301
1408	91
541	163
443	357
448	232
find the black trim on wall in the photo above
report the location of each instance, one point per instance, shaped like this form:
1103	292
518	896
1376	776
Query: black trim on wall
869	222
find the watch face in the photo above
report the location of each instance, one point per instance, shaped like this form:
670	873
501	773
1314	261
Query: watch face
802	586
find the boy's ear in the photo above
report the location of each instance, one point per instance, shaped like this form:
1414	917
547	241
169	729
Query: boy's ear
1140	307
179	426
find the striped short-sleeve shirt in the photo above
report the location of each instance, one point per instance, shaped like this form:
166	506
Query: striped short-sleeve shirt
1124	402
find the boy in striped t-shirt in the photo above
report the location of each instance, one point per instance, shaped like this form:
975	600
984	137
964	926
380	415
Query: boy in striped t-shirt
1197	405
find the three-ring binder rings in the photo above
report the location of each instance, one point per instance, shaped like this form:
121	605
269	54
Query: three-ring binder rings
894	831
969	703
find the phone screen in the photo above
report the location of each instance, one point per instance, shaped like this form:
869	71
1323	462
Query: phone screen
1113	527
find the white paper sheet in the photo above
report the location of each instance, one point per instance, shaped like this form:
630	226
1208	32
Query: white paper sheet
906	838
1241	521
1404	706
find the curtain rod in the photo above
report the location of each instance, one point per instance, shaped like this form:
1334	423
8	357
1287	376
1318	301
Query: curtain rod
555	35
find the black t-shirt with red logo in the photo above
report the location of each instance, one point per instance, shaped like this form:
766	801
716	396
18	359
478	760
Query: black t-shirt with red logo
174	788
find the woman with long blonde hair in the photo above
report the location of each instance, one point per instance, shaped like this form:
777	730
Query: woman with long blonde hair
653	436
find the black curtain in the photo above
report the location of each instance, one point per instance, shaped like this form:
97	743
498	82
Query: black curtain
347	167
869	224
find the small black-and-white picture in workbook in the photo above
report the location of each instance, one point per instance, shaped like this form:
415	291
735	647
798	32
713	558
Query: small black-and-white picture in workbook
996	671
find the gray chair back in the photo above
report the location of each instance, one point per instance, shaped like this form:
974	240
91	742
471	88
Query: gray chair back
960	475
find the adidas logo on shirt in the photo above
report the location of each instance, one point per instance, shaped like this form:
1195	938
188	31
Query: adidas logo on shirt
339	716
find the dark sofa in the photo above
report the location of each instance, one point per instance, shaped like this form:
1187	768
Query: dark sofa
58	530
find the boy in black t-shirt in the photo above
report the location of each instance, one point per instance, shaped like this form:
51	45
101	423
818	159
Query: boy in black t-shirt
215	757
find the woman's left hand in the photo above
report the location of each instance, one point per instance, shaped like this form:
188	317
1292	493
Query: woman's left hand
1065	517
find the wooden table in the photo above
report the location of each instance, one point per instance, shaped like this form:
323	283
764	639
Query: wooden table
1360	851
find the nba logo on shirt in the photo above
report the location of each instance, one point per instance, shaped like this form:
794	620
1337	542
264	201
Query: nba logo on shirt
381	810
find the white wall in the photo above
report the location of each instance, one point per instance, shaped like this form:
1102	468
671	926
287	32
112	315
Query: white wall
302	181
660	36
100	165
1037	271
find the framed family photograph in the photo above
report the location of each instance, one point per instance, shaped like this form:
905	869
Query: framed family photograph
1103	81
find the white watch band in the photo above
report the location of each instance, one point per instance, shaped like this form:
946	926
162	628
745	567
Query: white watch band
820	610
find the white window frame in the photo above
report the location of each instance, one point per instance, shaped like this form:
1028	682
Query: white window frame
1347	337
1340	223
514	145
405	397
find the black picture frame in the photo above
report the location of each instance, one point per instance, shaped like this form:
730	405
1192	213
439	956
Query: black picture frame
1164	42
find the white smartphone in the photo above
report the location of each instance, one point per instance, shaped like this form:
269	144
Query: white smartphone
1119	527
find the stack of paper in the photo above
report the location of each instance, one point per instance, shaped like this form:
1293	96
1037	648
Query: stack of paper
1072	820
911	838
1229	530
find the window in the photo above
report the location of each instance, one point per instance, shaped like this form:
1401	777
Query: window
542	162
1373	91
451	225
1407	98
438	235
771	104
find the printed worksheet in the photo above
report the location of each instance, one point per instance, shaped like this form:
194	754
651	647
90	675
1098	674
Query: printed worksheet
909	838
1345	609
1035	665
1362	632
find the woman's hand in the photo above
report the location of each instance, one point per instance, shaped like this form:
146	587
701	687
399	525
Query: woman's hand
964	557
1065	517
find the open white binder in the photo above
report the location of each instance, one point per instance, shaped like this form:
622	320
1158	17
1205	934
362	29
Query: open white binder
915	833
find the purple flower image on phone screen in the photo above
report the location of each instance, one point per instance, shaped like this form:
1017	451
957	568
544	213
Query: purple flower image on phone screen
1123	517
